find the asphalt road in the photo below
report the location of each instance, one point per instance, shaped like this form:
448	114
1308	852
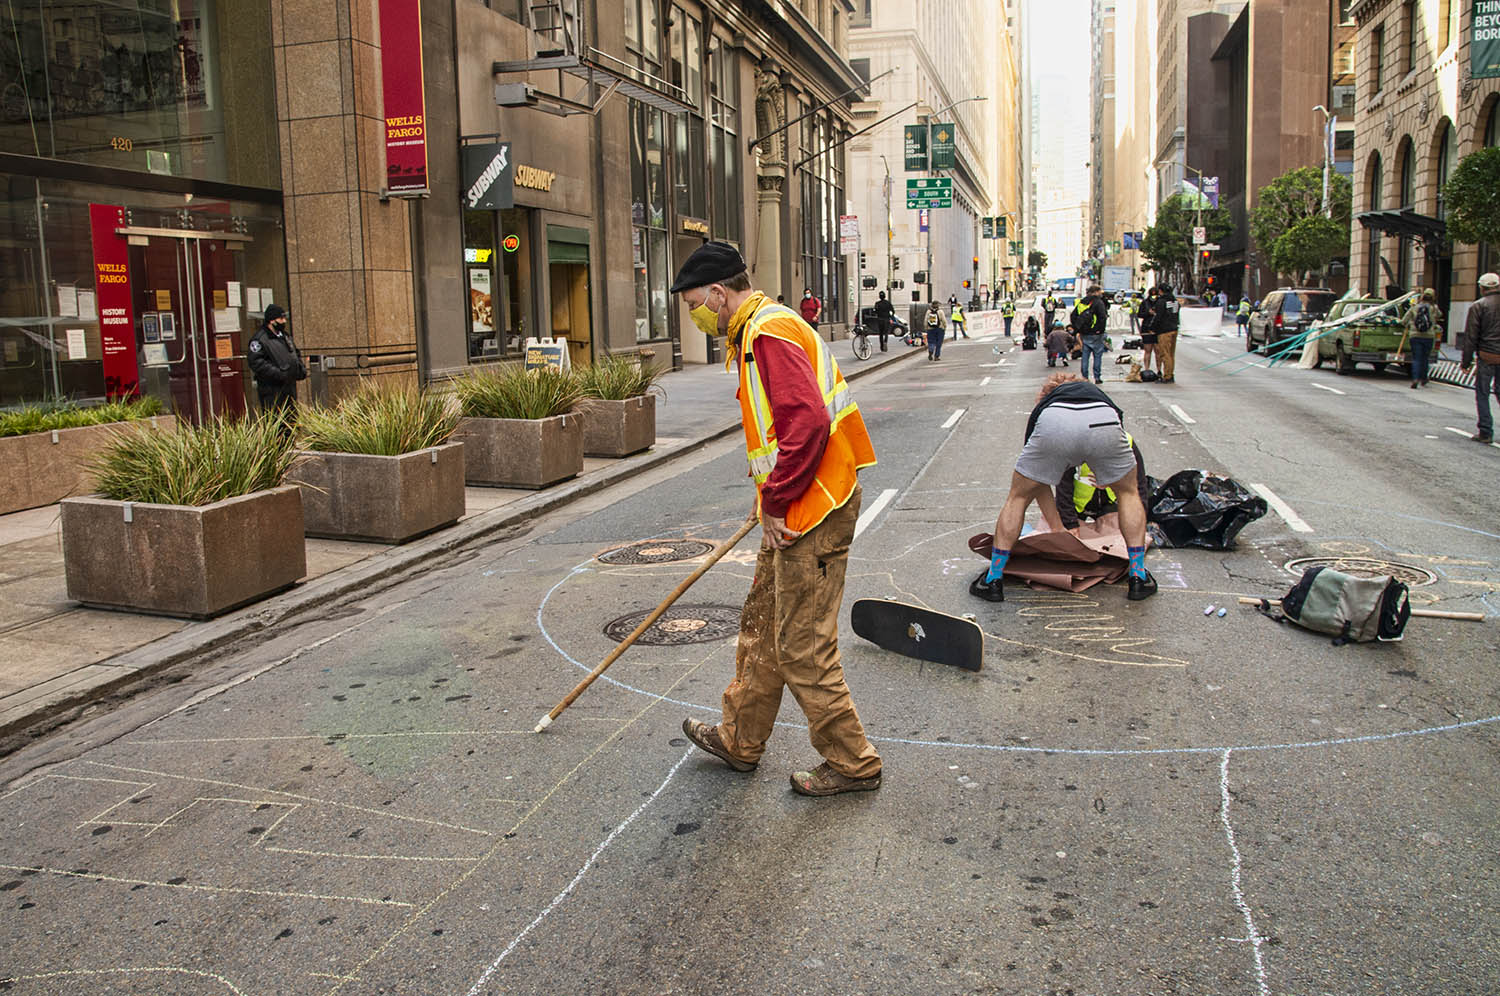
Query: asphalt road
1128	799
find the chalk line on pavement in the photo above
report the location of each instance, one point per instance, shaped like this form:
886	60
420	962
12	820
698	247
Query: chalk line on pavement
1252	936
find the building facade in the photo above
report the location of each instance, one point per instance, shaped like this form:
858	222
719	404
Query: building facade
1421	109
940	68
171	172
1172	97
1102	106
1129	152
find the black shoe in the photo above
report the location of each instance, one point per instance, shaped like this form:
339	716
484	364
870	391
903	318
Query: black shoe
1169	380
1141	588
1098	380
1481	438
990	591
1413	385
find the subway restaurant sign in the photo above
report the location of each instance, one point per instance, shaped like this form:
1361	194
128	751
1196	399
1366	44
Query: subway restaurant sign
1484	47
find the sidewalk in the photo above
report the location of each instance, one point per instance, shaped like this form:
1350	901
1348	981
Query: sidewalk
56	656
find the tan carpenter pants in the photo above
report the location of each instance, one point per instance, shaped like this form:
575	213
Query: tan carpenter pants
1166	351
789	636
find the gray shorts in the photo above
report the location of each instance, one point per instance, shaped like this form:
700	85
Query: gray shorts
1068	435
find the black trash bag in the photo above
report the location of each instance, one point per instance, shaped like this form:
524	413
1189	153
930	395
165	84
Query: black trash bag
1195	508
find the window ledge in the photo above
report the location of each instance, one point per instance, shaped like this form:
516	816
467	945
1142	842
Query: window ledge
1407	82
1376	102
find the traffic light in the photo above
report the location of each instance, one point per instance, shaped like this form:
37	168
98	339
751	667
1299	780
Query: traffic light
1204	255
895	263
1213	283
864	261
976	262
919	277
966	284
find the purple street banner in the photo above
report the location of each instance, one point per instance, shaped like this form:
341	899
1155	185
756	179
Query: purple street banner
112	296
405	101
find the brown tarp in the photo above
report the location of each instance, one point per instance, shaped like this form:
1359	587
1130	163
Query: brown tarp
1062	560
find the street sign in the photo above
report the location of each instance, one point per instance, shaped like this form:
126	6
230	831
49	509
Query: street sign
987	228
1200	235
916	148
1211	190
1210	247
929	186
924	203
999	227
922	218
848	234
944	146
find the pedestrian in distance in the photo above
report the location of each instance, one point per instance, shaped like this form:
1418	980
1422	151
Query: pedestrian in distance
1090	314
960	321
1057	346
1424	324
885	315
1050	304
806	443
277	366
1008	312
934	324
1147	315
811	307
1242	317
1074	422
1482	351
1168	316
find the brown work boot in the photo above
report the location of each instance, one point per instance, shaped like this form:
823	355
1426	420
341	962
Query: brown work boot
707	738
824	780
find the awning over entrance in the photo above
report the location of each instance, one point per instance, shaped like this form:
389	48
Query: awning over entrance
1406	224
601	68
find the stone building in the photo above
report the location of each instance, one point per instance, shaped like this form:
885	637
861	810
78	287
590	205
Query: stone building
1420	111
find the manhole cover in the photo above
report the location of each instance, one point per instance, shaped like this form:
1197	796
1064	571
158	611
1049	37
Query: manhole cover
680	624
657	552
1366	567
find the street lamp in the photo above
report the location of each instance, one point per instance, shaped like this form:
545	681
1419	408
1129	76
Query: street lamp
1198	203
927	120
1330	121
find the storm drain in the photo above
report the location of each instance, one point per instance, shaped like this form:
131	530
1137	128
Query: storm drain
656	552
1366	567
680	624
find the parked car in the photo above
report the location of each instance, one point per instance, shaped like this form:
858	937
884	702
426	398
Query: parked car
1374	340
1286	312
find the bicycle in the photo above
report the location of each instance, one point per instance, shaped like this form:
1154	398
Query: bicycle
860	342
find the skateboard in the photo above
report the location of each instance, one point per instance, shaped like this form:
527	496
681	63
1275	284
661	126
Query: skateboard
920	633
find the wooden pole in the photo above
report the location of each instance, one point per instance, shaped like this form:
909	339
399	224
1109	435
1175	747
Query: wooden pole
646	624
1424	613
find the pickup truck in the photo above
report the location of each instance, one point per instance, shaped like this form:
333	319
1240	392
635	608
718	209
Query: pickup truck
1373	340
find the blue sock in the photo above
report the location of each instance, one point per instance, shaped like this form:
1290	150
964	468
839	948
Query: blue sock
1137	561
997	565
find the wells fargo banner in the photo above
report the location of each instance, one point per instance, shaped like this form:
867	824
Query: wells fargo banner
405	102
112	288
1484	45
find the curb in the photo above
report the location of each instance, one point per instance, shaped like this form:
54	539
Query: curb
216	635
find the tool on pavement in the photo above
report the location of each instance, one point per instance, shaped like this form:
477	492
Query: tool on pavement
913	631
647	623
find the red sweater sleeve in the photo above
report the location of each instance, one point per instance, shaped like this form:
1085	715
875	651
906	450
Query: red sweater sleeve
800	419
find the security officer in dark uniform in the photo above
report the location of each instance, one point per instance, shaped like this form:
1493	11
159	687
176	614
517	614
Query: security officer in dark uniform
277	365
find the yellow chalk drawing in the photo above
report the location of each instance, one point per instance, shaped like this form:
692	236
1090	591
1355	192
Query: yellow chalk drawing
1082	620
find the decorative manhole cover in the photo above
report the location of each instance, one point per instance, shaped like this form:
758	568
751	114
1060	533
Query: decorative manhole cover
657	552
1366	567
680	624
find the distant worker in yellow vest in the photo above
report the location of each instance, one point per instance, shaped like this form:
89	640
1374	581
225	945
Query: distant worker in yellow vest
806	442
1080	496
959	320
1008	312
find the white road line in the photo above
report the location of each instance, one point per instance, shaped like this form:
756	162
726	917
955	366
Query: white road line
1467	434
1213	350
1282	509
985	381
1325	387
1183	416
876	507
953	419
557	901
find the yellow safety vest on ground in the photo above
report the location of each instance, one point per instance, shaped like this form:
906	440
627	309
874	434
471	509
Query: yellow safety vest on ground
1085	487
849	448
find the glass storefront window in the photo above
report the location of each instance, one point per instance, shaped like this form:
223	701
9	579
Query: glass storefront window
724	144
497	267
481	264
648	222
143	85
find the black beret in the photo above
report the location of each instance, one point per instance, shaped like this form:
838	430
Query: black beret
710	263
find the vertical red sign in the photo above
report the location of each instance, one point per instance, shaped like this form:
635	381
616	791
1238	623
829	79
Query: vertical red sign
405	101
112	288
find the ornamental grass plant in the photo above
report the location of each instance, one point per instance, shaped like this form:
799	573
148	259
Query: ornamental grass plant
380	421
618	378
196	464
511	392
45	418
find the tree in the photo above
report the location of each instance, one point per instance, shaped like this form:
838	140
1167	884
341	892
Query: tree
1037	260
1309	244
1295	196
1473	209
1168	244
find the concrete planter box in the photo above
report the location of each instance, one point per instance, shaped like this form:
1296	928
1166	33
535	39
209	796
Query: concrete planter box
521	452
618	428
386	499
181	560
45	467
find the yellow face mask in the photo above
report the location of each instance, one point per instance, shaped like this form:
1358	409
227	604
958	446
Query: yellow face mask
706	318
